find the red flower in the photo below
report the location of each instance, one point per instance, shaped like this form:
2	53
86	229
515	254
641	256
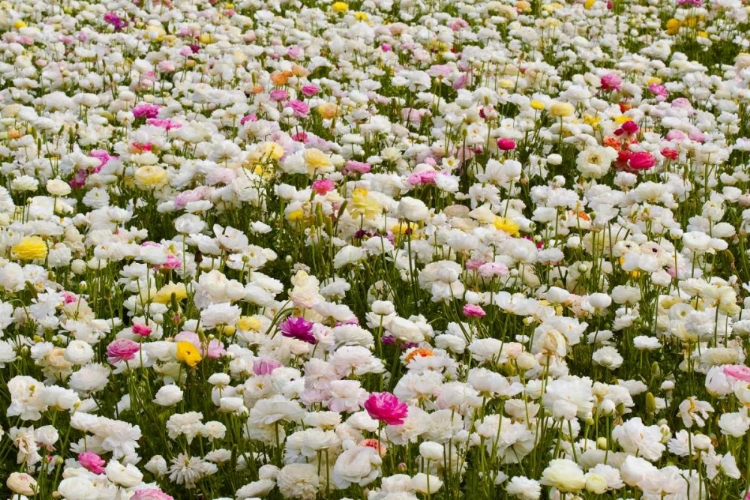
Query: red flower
672	154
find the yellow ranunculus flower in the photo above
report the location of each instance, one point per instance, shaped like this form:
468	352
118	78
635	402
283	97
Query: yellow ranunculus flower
622	119
296	215
328	110
589	4
206	38
164	295
188	353
248	323
360	16
399	230
316	159
364	205
673	26
150	177
591	120
507	225
561	109
19	24
272	150
30	248
538	105
340	7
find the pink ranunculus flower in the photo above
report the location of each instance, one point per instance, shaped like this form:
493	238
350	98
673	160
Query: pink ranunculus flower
323	186
421	178
474	264
682	103
279	95
151	494
358	167
122	350
739	372
491	269
172	263
474	311
387	408
142	329
697	136
103	157
265	366
301	110
676	135
611	81
92	462
659	91
310	90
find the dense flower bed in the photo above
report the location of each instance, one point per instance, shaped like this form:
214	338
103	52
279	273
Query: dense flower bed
383	250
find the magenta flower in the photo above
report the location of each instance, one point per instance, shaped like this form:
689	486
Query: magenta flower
739	372
249	118
641	160
114	20
122	350
387	408
80	179
92	462
505	144
629	127
151	494
146	111
474	311
298	328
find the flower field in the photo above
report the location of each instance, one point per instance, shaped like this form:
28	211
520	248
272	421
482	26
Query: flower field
376	250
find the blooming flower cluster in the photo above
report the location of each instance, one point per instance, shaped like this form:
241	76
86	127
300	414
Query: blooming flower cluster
383	250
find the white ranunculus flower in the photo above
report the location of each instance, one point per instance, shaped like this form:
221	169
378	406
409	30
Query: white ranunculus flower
412	209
